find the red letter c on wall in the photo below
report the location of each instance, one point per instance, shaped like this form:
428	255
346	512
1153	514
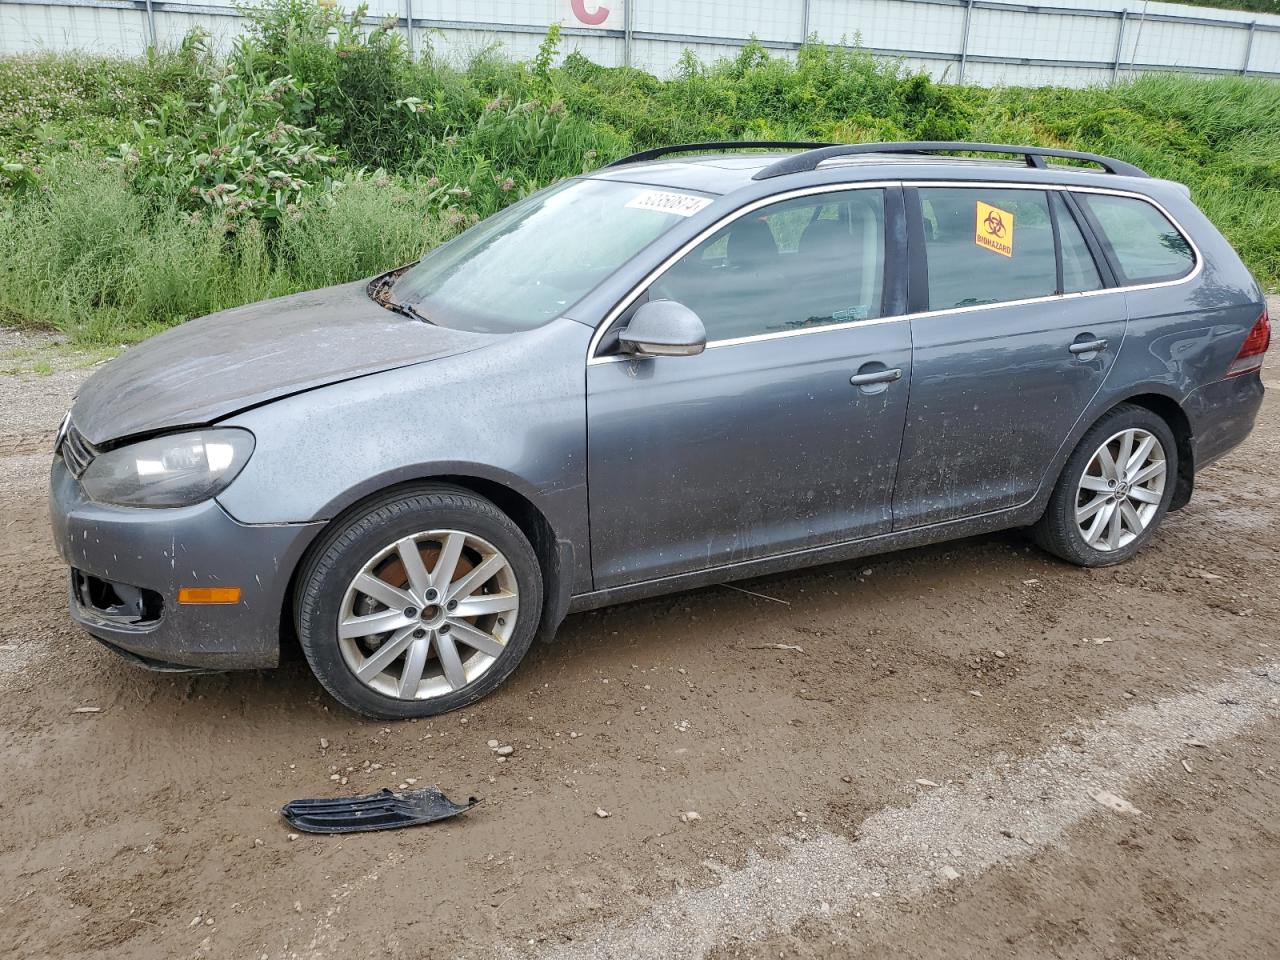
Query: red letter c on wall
599	16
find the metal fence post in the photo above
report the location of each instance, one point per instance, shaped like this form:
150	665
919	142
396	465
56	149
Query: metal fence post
1115	66
804	23
151	23
1142	19
626	32
1248	49
964	40
408	26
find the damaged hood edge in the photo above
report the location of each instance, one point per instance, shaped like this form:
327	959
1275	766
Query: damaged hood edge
124	439
211	368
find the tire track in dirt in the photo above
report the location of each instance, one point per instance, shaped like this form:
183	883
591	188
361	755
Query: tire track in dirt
1006	811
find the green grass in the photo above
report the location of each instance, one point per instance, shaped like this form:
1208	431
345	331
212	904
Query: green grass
1253	6
45	357
135	194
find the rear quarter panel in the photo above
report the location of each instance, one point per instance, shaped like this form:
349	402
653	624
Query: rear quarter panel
1181	337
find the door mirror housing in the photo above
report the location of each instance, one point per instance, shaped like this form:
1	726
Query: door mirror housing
664	328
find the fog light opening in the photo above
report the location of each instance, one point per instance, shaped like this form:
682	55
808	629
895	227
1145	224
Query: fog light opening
118	601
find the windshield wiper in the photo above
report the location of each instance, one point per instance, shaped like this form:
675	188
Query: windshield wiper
380	292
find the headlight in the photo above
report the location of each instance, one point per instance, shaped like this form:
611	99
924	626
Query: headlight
172	471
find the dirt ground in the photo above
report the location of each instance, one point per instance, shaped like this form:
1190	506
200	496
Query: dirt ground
914	772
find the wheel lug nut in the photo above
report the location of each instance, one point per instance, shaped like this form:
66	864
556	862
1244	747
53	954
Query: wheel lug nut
431	594
410	611
452	605
419	634
444	628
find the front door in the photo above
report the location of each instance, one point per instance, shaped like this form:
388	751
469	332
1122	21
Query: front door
1013	344
784	433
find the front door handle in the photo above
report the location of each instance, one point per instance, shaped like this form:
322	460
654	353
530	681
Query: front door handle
1088	346
876	376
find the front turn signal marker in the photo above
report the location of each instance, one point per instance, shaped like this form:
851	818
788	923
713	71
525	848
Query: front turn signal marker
209	595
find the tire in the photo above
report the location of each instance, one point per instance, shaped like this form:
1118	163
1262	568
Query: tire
1059	531
377	541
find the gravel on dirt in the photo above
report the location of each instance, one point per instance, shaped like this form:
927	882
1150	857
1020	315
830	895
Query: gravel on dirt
1002	812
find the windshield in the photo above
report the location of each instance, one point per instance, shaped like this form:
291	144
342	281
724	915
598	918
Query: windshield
523	267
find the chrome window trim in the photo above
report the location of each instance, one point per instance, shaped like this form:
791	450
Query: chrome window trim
733	215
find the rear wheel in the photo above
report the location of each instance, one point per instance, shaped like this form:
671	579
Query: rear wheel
1114	490
422	604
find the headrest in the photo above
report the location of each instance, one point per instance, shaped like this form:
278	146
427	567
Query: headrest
751	244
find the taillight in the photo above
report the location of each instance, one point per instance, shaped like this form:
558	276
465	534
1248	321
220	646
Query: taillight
1249	358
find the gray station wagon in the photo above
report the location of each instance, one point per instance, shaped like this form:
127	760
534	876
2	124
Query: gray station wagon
672	372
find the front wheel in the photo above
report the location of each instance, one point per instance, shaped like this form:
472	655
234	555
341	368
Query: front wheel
1114	490
420	605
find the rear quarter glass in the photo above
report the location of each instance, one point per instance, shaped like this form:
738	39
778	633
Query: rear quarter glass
1221	266
1143	244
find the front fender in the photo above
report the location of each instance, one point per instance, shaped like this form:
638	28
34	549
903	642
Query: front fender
512	413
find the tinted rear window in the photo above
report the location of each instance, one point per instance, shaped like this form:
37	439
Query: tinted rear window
1142	243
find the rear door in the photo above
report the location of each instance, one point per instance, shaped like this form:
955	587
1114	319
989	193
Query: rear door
783	434
1015	326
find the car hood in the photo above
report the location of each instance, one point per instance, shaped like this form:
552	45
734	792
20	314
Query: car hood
217	365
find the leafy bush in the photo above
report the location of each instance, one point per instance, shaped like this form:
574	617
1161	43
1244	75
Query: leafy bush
365	95
46	99
246	157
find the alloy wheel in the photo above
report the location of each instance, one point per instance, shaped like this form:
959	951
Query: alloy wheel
428	614
1120	491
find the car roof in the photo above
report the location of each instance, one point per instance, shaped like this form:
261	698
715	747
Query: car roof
723	173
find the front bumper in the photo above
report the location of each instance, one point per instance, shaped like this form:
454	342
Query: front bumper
158	551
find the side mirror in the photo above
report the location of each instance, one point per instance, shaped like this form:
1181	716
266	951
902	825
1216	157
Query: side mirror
664	328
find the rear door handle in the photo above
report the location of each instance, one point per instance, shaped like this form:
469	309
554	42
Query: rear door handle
876	376
1088	346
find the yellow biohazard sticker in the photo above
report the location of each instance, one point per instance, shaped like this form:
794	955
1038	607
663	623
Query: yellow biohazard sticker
994	229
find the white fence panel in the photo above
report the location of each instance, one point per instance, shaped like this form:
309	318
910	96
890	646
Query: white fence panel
1067	42
889	24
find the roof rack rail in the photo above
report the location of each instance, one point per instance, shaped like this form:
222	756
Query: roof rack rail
1034	156
657	152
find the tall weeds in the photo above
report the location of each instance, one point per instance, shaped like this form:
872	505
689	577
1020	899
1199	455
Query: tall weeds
135	194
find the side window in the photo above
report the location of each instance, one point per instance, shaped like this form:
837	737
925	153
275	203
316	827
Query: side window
1079	272
806	262
987	245
1143	244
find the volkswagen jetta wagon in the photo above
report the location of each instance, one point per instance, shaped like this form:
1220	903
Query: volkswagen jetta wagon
682	369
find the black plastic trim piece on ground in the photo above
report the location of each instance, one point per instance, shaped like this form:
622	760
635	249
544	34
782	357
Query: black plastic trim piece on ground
384	810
